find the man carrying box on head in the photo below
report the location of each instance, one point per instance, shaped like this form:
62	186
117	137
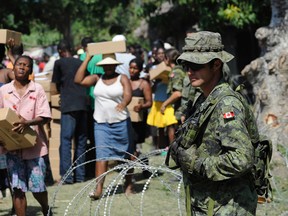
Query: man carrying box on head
123	57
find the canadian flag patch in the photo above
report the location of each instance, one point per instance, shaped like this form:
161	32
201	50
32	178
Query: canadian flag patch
228	115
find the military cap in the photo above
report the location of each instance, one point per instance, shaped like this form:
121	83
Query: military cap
202	47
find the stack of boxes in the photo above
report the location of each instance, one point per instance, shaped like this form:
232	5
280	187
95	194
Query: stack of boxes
45	80
54	140
53	128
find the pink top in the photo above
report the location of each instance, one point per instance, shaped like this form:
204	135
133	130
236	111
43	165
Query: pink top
32	104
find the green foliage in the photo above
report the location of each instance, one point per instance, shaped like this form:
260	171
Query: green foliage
10	21
218	14
238	15
14	16
41	35
149	7
74	19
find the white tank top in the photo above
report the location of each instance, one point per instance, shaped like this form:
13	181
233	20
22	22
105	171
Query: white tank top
107	97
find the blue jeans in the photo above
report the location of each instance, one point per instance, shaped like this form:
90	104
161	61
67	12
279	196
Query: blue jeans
73	125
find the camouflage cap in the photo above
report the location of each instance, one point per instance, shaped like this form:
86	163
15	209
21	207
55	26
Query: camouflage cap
202	47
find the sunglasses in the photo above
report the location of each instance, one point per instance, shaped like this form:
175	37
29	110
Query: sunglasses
192	66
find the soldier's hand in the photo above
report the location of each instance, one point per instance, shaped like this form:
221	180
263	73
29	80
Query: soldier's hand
182	118
186	158
174	151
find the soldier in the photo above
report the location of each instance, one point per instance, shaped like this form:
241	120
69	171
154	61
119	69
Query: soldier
189	93
215	151
175	84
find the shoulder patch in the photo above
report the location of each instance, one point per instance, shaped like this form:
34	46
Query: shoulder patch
228	112
228	115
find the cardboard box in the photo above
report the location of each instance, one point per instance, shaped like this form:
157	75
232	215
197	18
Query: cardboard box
56	113
13	140
55	100
47	130
54	153
53	89
48	96
54	142
55	123
45	82
161	71
6	34
55	172
55	132
106	47
43	75
135	116
55	167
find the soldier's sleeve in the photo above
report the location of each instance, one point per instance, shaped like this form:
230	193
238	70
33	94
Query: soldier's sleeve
177	80
236	153
183	107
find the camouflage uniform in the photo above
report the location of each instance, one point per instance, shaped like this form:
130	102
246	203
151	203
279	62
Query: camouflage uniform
217	162
175	83
189	93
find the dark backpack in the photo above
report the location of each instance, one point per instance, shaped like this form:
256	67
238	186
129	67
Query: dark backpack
263	154
260	171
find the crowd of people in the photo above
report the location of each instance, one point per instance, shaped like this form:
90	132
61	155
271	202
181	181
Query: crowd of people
95	92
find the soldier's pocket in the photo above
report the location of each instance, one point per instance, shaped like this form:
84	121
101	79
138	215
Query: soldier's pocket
170	159
188	138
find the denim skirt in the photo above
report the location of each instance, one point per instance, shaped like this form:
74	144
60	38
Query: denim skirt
113	140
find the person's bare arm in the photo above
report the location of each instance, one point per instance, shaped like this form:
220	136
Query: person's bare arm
176	95
127	93
10	46
11	75
147	90
80	76
20	125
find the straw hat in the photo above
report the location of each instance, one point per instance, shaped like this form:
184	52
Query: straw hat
108	59
119	38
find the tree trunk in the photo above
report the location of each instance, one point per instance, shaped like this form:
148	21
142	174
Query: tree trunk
64	27
269	76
